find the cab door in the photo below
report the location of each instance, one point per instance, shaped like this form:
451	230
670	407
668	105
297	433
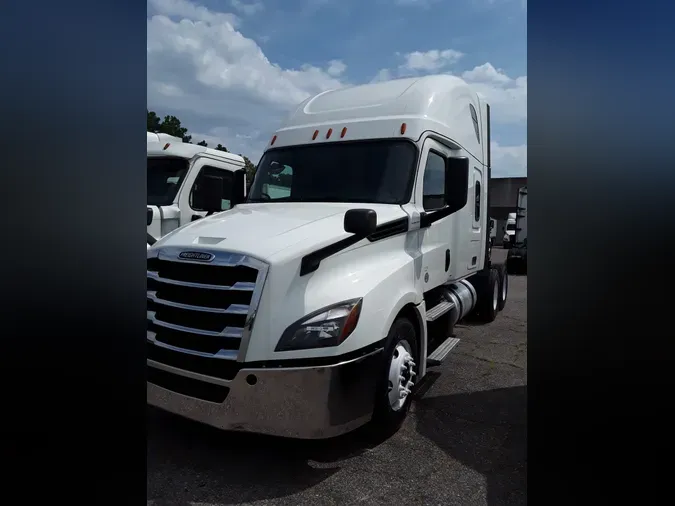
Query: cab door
234	187
434	240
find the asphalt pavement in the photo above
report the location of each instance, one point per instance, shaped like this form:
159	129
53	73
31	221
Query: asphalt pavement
463	443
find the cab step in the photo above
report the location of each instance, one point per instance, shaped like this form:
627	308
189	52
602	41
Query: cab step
442	351
439	310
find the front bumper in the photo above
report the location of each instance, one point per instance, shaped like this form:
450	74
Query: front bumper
301	402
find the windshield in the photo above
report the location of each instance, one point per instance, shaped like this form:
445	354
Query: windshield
165	175
369	172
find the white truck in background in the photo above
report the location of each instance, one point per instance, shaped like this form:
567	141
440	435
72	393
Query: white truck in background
182	176
509	230
315	306
517	256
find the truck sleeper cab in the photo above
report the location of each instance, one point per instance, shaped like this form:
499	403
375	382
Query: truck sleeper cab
179	174
316	306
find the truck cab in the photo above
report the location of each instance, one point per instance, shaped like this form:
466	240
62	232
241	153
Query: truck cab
177	175
493	231
316	306
509	230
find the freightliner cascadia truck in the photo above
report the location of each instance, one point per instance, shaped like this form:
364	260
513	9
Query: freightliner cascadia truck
316	306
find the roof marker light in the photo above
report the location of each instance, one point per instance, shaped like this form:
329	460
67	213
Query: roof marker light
166	146
344	131
316	132
403	127
274	138
330	131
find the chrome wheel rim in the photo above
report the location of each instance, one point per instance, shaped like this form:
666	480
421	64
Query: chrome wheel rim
401	375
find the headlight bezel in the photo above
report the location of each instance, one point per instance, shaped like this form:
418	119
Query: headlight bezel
344	314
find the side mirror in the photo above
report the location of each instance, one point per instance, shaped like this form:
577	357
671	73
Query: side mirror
360	222
208	193
456	183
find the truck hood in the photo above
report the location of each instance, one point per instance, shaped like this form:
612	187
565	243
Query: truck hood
267	230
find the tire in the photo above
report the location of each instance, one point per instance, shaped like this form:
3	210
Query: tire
488	297
503	286
389	415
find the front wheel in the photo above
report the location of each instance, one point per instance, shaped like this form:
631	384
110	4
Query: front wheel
397	378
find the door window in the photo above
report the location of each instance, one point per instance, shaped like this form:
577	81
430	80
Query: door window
433	186
227	178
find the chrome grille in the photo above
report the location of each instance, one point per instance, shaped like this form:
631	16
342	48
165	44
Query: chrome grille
202	308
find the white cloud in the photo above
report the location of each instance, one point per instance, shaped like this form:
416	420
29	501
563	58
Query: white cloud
336	68
430	61
509	161
222	77
486	73
382	75
189	10
247	8
168	90
507	96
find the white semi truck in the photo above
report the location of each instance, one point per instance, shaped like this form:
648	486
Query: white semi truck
315	306
509	231
179	174
517	256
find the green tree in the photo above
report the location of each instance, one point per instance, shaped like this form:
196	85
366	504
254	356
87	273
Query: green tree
154	122
203	143
170	125
220	147
249	168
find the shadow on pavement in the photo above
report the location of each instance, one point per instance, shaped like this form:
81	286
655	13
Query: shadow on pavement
486	431
192	463
189	462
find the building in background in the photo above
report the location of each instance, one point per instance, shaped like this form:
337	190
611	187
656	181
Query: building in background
504	200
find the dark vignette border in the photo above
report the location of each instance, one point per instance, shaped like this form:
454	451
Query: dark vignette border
72	256
601	168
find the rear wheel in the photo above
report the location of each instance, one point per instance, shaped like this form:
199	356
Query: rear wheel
503	286
398	376
488	290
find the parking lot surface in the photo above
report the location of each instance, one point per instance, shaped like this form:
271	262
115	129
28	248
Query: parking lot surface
463	443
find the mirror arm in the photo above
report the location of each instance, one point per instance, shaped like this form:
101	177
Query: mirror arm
428	219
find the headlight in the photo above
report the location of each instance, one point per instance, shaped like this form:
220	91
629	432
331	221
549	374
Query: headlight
324	328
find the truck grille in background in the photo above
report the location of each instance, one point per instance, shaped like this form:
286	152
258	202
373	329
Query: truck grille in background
197	312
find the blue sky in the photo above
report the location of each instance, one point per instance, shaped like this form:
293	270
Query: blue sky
232	69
